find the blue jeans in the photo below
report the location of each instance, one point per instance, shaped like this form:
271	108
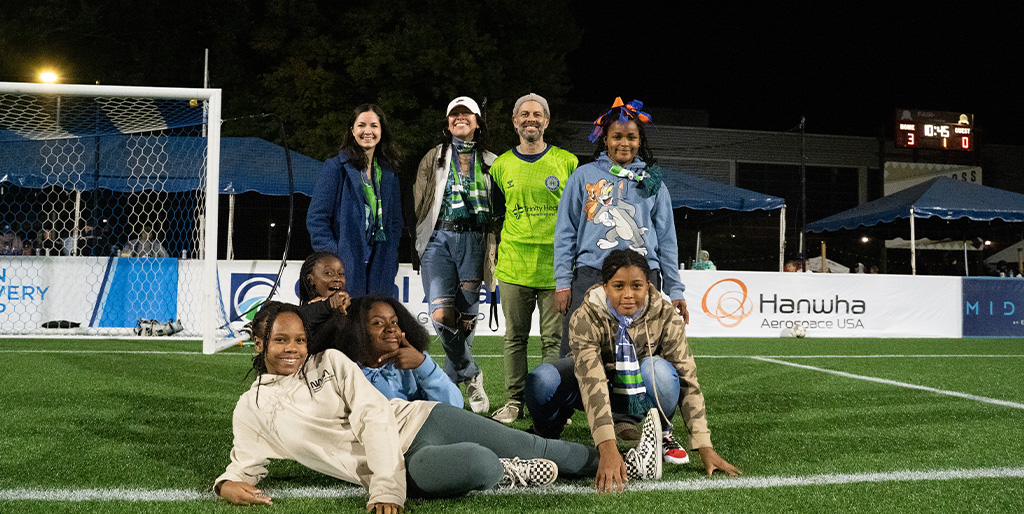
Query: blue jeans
553	394
451	262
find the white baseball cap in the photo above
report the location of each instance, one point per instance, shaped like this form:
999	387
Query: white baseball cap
466	102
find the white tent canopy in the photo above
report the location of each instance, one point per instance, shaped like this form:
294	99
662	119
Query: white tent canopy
932	244
814	264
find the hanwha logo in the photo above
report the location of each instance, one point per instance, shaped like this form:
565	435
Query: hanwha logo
727	302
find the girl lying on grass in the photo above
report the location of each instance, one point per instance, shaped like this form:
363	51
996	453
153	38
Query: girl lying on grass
320	411
387	343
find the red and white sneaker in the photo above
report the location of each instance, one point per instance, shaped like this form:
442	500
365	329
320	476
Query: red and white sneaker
673	452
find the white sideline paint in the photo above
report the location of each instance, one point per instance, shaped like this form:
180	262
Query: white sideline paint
695	484
886	381
499	356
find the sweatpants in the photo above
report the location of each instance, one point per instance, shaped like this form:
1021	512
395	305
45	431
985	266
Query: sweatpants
457	451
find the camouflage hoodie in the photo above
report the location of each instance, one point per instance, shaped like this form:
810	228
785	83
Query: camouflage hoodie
592	335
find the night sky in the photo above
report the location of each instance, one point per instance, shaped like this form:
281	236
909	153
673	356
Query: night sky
847	71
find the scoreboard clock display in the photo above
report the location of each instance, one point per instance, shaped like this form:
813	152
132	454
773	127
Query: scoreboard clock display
934	130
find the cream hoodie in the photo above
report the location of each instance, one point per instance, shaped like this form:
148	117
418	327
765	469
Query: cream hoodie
333	421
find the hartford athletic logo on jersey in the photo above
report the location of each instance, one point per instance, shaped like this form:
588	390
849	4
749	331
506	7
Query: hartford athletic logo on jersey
551	183
248	290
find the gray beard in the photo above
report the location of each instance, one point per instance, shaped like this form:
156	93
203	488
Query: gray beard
531	138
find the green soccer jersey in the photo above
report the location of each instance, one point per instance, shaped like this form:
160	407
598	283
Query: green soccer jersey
532	186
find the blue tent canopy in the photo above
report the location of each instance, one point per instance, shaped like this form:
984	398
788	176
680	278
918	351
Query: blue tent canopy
111	162
941	197
697	193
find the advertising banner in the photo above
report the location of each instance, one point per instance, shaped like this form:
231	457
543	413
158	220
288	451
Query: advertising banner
247	283
993	307
764	304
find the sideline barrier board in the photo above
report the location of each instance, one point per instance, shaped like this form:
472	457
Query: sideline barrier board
721	303
764	304
993	307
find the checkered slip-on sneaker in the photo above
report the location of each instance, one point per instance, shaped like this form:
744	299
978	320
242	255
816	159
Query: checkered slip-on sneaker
674	453
527	473
644	461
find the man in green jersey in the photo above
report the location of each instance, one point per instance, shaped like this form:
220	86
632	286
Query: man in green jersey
532	176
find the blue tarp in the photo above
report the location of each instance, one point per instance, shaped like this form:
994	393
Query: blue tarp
941	197
114	163
694	192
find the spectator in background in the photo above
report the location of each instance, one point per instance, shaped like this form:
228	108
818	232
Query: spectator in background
454	222
531	176
356	209
47	242
10	242
146	245
703	262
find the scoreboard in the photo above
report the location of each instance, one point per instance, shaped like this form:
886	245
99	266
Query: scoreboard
934	130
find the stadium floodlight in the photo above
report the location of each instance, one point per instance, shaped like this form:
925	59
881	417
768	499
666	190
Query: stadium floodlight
48	76
111	199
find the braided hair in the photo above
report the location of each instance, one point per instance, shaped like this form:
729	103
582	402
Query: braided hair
307	291
259	330
644	152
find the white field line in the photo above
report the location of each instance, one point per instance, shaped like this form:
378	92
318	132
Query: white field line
695	484
886	381
499	356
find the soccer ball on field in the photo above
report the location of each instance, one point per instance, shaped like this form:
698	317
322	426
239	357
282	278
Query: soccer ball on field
799	331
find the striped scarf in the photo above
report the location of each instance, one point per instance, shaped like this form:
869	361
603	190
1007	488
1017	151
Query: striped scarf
627	383
469	201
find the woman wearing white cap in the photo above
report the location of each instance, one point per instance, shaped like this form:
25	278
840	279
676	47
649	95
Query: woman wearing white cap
452	199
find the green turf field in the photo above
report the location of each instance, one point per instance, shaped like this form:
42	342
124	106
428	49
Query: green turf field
834	425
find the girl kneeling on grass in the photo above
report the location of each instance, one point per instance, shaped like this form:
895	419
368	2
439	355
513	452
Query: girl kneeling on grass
320	411
387	343
629	353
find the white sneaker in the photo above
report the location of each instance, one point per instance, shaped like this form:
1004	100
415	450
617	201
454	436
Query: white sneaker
644	461
478	401
527	473
509	413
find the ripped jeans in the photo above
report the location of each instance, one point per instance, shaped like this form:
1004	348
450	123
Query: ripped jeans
452	270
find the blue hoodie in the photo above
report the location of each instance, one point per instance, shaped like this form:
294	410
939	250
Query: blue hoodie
600	212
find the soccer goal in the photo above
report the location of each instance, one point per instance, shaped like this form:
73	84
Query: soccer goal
108	198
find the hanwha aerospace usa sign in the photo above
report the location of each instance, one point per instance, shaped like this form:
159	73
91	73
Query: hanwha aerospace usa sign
762	304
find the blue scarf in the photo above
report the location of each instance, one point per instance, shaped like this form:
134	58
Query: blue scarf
627	384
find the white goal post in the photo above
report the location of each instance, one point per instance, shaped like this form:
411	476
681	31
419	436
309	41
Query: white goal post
109	205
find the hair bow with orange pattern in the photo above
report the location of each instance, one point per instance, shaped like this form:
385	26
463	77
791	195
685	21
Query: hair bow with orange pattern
627	111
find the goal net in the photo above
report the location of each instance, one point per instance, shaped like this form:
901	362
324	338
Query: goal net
108	199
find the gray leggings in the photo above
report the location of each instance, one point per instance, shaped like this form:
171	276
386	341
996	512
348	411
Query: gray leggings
457	451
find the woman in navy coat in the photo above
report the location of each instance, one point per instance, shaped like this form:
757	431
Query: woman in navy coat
356	210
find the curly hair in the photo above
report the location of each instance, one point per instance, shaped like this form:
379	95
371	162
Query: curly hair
350	333
644	151
618	259
386	150
307	291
